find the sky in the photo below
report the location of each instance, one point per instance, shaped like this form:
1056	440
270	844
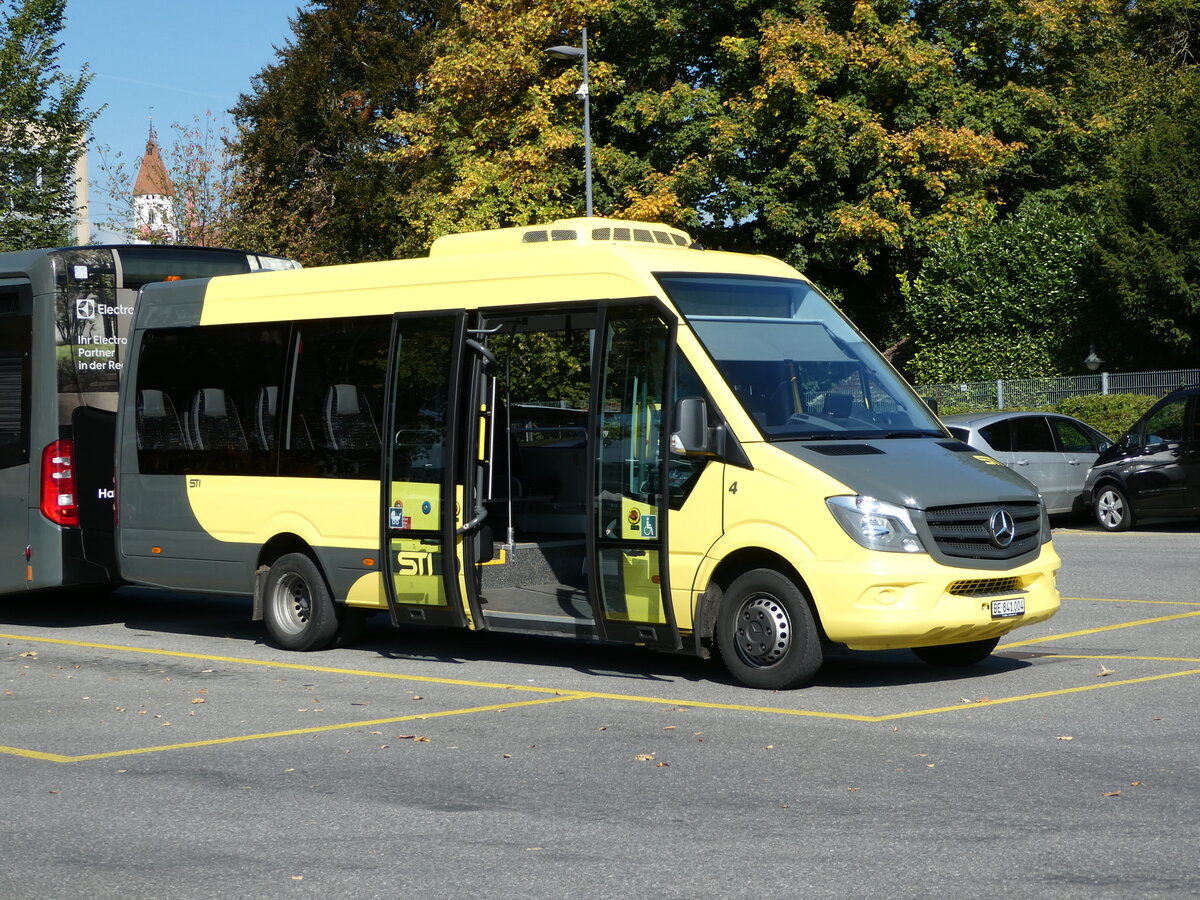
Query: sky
166	59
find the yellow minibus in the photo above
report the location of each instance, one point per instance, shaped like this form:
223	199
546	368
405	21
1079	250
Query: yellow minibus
592	429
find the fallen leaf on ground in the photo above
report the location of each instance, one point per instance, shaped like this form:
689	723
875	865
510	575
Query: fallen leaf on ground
1104	670
1113	794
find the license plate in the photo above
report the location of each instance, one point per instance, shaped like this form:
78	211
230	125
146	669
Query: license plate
1007	608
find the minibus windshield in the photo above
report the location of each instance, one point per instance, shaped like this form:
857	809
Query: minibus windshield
800	369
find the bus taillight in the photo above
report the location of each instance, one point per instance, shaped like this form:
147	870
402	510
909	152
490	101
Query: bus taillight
58	483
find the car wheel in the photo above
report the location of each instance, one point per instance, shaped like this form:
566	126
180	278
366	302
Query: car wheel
766	632
966	654
1113	512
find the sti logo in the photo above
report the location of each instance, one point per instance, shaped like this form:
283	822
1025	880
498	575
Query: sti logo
85	309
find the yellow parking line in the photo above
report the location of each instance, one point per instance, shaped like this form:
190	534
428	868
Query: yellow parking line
1115	600
566	695
1097	630
1038	696
59	758
274	664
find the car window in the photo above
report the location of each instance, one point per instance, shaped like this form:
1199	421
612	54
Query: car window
998	436
1073	438
1031	434
1164	424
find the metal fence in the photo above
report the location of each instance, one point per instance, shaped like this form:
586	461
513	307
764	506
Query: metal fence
1036	393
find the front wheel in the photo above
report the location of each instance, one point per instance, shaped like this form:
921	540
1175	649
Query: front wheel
299	612
1112	509
966	654
766	632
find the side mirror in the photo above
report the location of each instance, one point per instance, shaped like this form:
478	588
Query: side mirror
691	426
932	403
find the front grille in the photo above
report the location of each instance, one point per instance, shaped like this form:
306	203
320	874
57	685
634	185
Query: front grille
975	587
963	531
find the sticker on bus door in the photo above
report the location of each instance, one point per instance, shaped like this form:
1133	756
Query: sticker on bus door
641	520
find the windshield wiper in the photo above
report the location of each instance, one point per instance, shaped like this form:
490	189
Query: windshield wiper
912	434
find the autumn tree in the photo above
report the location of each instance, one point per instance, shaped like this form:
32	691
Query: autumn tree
825	133
43	127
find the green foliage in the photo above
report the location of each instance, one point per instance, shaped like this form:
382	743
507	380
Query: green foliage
1150	244
43	128
1110	413
937	167
1006	300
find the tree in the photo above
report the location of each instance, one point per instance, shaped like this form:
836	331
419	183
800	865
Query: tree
312	183
1150	240
828	135
43	128
491	143
202	172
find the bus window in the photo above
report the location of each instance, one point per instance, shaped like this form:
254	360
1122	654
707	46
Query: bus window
336	409
199	412
798	367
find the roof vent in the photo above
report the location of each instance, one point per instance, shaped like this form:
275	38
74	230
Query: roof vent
580	231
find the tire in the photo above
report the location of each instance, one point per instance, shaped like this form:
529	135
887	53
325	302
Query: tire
957	654
297	608
1112	509
766	632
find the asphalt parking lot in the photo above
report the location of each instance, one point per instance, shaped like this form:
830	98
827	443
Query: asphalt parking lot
154	746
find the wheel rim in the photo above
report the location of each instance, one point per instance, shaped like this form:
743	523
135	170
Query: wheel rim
763	631
292	603
1110	509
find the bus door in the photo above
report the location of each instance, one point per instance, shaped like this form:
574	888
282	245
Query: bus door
628	529
422	498
16	388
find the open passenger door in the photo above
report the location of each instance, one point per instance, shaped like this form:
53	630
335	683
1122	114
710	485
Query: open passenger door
627	534
421	498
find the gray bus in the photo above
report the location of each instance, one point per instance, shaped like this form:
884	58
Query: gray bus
64	325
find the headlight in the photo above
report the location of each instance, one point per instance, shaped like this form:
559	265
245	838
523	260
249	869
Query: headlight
876	524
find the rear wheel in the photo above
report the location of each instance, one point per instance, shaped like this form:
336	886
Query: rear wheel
766	632
298	610
1113	512
966	654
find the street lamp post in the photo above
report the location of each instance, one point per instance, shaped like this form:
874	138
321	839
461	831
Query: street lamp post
570	54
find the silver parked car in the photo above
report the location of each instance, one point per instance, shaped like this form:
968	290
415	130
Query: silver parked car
1053	451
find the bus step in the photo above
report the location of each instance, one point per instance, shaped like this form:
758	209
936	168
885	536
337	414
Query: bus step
529	623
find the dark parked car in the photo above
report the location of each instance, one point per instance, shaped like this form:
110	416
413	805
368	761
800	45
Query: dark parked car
1051	450
1154	470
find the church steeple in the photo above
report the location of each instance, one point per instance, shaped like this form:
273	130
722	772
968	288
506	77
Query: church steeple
154	215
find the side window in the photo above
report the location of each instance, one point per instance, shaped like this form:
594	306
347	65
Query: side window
1031	434
1073	438
684	470
998	436
15	387
207	399
1165	424
336	409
